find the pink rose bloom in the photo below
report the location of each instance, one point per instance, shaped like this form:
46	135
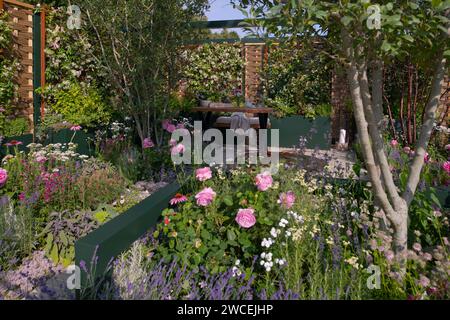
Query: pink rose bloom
179	148
205	197
246	218
203	174
75	128
407	149
426	158
446	166
447	147
171	128
148	143
287	199
263	181
172	142
394	143
3	177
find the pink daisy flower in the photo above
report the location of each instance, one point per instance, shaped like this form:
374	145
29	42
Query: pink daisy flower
179	198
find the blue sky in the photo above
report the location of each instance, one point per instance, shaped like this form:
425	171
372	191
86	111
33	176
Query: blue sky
223	10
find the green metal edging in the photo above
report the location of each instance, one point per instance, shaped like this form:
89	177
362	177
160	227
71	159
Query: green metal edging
61	136
36	68
100	247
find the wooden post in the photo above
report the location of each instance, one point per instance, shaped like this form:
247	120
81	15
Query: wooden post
42	57
1	4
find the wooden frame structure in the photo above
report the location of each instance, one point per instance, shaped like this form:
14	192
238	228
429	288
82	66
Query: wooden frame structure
28	25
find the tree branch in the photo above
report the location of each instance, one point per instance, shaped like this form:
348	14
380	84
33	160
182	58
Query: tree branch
425	132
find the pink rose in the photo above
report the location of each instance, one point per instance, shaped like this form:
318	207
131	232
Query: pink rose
205	197
447	147
263	181
3	177
394	143
246	218
179	148
287	199
446	166
165	123
407	149
426	158
203	174
171	128
172	142
148	143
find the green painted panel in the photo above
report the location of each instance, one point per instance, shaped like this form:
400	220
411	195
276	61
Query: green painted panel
291	129
118	234
25	139
65	135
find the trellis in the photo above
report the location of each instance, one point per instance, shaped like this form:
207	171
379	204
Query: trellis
28	26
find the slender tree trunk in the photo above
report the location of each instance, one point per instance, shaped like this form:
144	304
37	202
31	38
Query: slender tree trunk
408	105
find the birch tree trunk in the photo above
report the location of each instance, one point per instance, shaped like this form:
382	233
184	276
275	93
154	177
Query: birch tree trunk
367	117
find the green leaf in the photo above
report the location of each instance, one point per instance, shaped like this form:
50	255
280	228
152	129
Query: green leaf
346	20
231	235
407	37
436	3
435	199
54	254
49	243
228	200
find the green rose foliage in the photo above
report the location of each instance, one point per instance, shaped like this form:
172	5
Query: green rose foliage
214	70
210	236
81	105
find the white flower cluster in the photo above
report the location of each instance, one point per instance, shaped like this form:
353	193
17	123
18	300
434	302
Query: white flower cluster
275	232
267	242
298	218
353	261
266	261
283	223
236	271
58	151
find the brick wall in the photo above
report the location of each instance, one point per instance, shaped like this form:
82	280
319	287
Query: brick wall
342	116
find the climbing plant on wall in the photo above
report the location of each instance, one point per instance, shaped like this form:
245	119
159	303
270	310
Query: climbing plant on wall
75	88
297	81
214	70
11	123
